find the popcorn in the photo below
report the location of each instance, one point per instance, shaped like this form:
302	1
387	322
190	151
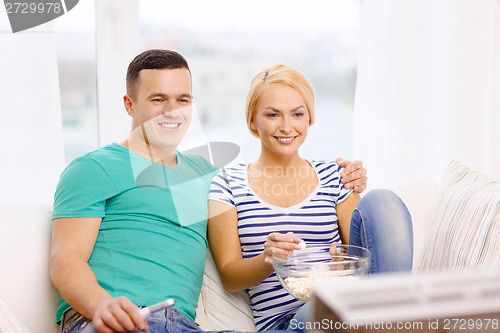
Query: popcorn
301	287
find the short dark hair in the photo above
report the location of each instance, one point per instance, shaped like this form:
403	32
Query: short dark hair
153	59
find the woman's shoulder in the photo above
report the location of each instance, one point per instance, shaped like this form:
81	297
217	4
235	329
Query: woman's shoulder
323	165
328	172
235	172
239	168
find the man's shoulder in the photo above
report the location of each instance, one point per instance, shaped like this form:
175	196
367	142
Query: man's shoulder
99	159
103	154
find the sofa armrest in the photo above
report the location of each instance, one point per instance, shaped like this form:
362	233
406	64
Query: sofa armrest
420	197
24	282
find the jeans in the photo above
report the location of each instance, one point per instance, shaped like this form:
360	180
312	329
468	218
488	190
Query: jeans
381	223
169	320
294	322
165	321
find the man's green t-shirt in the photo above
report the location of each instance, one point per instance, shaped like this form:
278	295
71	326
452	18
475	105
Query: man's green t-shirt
152	239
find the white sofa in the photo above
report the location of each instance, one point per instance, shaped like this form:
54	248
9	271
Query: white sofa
26	290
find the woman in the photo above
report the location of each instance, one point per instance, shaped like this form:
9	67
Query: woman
267	207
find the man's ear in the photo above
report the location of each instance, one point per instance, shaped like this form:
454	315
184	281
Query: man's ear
127	102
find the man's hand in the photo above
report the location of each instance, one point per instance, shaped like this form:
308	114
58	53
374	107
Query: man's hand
354	174
119	315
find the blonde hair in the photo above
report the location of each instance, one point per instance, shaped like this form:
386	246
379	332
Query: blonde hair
278	74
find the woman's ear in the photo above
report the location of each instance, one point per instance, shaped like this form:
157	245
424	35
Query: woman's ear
252	125
253	129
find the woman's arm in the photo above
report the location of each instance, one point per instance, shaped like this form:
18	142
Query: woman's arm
237	273
344	213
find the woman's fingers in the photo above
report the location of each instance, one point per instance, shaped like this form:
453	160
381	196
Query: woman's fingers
288	241
333	248
280	246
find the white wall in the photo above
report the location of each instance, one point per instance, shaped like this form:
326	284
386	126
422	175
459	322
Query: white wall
427	89
31	160
31	148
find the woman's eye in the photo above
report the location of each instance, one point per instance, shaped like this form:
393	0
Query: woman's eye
299	114
271	115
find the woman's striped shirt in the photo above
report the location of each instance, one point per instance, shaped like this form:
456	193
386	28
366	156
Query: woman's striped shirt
314	220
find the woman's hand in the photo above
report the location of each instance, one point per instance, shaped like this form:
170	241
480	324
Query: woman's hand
333	248
354	174
280	245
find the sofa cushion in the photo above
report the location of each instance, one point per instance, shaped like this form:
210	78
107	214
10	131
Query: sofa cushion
465	229
220	310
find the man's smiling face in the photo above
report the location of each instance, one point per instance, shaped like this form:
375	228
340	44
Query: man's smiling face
161	106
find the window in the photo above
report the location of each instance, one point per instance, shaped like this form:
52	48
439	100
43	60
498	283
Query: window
227	42
77	79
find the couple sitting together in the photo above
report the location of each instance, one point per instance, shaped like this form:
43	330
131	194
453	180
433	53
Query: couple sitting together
131	223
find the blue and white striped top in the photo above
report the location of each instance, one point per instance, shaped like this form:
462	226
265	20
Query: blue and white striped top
314	220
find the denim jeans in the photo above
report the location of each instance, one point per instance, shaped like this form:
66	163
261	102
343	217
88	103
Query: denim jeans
165	321
294	322
381	223
169	320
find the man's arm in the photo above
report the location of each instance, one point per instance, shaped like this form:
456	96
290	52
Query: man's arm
354	174
73	241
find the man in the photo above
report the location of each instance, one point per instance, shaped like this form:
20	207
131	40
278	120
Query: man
129	221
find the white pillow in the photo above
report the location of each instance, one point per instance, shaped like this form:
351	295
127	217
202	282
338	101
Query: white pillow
465	230
220	310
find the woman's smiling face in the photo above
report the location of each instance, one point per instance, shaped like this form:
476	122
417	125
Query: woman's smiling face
281	119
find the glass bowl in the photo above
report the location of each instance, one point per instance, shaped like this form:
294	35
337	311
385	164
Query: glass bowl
301	270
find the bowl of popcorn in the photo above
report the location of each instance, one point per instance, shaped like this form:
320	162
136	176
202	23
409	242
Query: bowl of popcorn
301	270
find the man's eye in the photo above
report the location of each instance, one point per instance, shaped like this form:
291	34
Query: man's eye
184	100
157	100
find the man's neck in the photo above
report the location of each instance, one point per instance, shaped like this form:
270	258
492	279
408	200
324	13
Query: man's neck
166	157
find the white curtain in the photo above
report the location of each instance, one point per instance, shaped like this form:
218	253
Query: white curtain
31	149
428	88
